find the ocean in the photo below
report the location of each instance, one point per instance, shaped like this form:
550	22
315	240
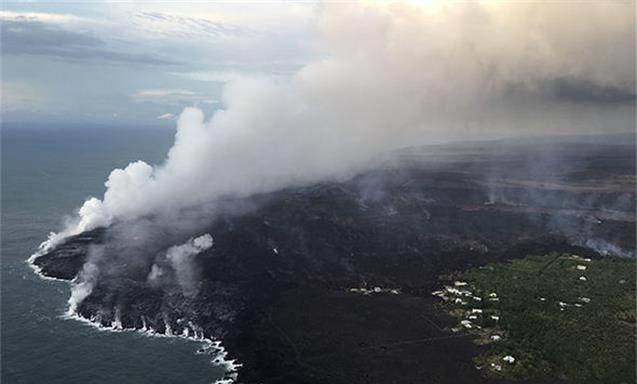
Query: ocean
47	172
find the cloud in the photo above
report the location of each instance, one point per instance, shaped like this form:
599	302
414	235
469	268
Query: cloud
221	18
24	36
167	96
16	96
143	45
166	116
29	36
587	91
569	90
219	76
163	24
159	93
57	18
237	72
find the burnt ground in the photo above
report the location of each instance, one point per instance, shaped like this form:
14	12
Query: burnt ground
276	284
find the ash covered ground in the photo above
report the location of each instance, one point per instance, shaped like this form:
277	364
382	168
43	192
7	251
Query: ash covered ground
331	283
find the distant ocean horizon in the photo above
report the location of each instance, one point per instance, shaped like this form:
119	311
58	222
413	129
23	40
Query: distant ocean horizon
47	172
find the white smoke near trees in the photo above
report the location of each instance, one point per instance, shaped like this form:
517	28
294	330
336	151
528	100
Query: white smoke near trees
393	74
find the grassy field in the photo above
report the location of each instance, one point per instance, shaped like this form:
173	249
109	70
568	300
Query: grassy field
556	315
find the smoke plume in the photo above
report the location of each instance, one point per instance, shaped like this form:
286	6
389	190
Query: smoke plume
392	74
85	282
180	259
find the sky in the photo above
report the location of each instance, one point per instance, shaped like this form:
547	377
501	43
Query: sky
141	62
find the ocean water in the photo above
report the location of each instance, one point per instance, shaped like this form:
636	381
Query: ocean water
47	172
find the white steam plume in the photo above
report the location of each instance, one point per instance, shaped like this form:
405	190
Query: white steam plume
395	74
180	257
83	286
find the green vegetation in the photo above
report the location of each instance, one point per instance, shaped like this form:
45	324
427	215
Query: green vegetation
556	315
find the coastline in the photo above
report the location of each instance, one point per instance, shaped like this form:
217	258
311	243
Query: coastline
211	347
279	287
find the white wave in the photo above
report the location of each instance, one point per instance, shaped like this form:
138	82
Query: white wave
48	245
37	269
209	346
